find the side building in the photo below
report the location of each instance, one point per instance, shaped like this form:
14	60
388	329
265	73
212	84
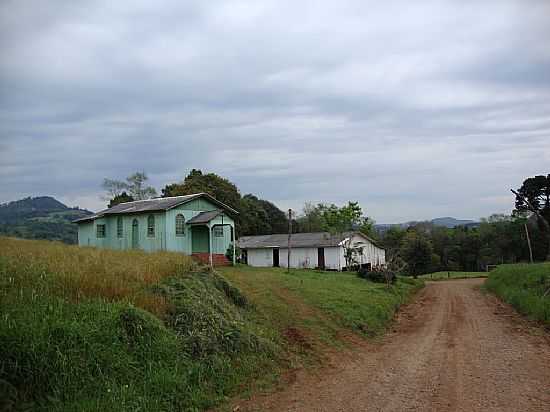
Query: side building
320	250
197	225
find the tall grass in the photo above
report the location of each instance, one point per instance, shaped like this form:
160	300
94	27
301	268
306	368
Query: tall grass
524	287
72	338
77	273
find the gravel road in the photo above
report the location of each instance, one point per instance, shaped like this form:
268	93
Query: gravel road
453	349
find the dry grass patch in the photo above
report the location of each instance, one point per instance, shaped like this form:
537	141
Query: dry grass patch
76	273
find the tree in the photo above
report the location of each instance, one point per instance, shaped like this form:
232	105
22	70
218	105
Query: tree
276	218
254	217
121	198
137	188
416	250
534	196
391	240
310	220
134	187
197	182
338	220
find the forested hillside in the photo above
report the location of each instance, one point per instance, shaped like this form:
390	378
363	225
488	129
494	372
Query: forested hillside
40	218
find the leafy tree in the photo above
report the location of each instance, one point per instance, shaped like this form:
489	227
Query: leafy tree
254	217
310	220
134	187
338	220
121	198
391	240
260	217
416	250
197	182
276	217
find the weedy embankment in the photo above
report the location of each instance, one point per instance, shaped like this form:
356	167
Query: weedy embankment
524	286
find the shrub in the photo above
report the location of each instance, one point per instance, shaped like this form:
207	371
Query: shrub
378	276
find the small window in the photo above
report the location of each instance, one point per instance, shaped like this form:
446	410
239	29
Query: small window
218	231
151	226
100	230
180	225
119	227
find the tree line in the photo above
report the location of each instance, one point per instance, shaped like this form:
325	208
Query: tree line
256	216
426	248
422	247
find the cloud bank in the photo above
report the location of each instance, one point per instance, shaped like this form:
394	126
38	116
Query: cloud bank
416	111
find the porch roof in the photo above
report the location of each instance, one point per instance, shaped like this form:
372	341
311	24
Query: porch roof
205	217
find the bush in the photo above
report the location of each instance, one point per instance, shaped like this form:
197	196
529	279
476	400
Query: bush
377	276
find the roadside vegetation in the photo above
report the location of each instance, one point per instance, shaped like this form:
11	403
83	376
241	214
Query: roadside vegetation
453	275
85	329
524	286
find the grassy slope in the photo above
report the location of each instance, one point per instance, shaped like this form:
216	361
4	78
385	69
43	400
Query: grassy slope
523	286
453	275
87	329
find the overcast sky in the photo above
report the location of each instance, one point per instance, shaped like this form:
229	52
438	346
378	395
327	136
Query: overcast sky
414	109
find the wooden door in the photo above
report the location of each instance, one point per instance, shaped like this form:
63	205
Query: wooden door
275	258
321	258
135	234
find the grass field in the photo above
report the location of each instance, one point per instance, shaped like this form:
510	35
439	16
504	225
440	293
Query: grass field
453	275
321	303
524	287
84	329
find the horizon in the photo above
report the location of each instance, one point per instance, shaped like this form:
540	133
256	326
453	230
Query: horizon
413	110
473	220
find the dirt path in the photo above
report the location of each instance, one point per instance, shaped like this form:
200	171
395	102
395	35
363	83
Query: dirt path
454	349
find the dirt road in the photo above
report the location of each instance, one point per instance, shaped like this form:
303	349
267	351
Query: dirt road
454	349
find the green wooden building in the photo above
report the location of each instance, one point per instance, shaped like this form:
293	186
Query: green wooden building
195	224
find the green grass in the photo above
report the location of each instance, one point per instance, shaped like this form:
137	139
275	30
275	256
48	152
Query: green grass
74	337
453	275
321	302
83	329
523	286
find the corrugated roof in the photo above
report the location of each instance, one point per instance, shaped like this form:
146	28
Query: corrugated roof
318	239
152	205
205	217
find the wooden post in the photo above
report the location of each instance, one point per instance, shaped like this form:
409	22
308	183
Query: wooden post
289	236
528	243
234	241
210	246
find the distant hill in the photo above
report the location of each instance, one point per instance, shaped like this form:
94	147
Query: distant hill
449	222
40	218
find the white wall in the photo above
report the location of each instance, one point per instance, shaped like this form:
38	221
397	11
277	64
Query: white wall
303	258
306	257
260	257
370	253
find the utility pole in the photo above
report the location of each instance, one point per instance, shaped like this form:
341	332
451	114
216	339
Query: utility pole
528	243
289	236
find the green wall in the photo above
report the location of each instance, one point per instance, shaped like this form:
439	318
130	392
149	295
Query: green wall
165	231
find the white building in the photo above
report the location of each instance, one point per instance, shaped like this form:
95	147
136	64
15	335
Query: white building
311	250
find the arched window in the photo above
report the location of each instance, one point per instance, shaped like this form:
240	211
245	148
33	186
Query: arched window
119	227
180	225
151	226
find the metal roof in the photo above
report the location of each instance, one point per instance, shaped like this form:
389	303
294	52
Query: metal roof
153	205
205	217
318	239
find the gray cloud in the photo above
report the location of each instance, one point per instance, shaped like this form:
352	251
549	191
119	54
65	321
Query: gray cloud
414	110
